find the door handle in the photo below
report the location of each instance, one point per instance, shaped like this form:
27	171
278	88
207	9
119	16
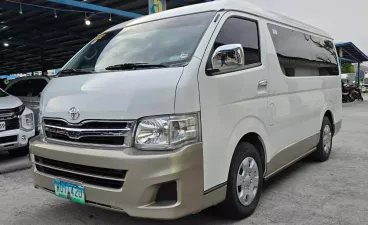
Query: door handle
262	83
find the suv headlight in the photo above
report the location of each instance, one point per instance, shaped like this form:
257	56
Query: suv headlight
27	121
167	132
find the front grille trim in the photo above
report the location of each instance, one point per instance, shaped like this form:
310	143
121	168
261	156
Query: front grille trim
97	171
58	174
74	133
96	176
79	173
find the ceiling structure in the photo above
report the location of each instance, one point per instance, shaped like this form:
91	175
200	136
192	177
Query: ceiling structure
35	39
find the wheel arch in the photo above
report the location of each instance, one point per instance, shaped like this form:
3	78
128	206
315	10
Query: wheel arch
329	115
253	131
256	140
328	111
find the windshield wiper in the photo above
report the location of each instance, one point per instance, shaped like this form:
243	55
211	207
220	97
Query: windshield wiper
73	71
133	66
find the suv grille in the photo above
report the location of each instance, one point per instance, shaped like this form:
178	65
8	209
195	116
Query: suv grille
8	139
11	113
12	124
110	178
91	132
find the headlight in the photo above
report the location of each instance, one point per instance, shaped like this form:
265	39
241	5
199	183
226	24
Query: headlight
165	133
27	121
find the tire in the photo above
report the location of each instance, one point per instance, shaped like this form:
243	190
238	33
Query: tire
323	148
232	207
23	151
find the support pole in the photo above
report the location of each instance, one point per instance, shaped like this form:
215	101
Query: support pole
358	74
44	70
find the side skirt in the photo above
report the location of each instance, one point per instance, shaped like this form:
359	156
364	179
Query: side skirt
291	154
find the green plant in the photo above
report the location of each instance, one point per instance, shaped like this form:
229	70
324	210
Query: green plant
347	68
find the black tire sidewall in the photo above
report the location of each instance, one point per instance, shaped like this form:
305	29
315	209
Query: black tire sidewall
240	211
321	155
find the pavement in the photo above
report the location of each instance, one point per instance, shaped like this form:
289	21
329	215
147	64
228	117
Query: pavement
10	164
308	193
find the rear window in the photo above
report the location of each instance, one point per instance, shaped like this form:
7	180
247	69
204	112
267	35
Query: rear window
303	55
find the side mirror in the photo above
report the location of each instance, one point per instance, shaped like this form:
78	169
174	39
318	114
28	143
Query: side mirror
228	57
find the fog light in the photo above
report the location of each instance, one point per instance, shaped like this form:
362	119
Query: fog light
167	194
23	139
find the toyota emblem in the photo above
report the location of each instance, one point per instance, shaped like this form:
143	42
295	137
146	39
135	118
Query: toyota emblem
74	113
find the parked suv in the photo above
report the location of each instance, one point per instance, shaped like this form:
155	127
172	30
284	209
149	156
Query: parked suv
28	90
16	125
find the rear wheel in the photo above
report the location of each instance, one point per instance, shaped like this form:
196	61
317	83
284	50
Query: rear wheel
244	183
23	151
325	141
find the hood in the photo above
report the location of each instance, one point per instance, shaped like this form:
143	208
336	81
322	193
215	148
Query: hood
112	95
9	102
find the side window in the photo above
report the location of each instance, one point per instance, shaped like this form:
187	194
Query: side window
324	56
21	89
236	31
38	85
302	55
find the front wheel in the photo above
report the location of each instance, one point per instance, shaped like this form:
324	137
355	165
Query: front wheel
244	183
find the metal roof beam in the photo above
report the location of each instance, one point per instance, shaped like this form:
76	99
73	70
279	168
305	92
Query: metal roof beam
347	52
97	8
40	45
45	28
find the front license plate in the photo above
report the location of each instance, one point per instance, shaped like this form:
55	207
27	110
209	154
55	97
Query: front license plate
2	126
70	191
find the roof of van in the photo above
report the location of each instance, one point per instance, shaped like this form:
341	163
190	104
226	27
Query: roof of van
234	5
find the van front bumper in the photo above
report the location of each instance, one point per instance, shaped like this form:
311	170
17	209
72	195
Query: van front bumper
146	173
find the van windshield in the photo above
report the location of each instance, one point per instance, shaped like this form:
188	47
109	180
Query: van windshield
365	80
167	42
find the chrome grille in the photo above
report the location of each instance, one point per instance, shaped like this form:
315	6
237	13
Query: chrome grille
104	177
90	132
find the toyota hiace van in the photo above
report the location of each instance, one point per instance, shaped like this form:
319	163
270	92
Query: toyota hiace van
171	113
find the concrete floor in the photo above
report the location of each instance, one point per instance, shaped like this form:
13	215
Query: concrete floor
334	192
11	164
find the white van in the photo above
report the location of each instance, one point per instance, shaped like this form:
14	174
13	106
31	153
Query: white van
175	112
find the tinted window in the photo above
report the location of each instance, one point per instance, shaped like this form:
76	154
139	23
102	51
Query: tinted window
38	85
324	56
27	88
302	55
240	31
21	88
2	93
